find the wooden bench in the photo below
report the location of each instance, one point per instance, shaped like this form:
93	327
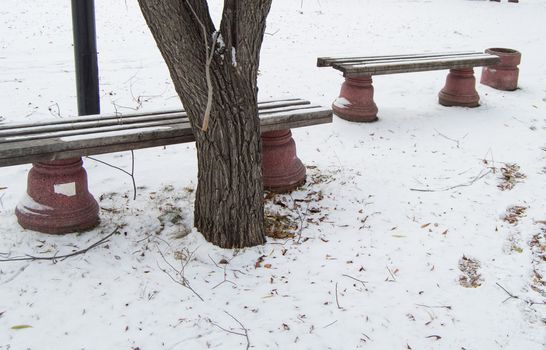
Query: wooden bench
356	103
57	199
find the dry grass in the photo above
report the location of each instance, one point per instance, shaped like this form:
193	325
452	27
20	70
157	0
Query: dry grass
280	226
510	176
538	250
470	278
514	214
287	214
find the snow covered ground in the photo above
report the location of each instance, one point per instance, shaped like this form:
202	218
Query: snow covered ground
374	263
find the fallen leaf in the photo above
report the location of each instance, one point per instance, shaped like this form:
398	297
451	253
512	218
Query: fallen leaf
259	261
21	326
267	266
281	203
435	337
425	225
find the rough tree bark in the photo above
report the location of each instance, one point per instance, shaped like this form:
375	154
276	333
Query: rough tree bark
229	197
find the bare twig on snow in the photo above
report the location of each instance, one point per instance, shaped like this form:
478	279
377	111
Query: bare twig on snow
131	174
356	279
56	257
181	280
245	330
481	175
337	300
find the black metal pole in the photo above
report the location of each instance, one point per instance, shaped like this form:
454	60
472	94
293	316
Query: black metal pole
85	54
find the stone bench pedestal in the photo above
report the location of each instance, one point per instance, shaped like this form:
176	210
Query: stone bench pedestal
282	170
460	89
57	199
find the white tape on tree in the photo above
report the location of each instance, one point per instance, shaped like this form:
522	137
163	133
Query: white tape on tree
68	189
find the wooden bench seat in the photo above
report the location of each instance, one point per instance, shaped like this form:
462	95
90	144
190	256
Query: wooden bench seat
55	139
58	200
356	98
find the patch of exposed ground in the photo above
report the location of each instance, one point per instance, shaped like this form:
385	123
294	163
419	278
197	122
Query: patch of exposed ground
286	215
470	277
170	206
510	176
514	214
538	251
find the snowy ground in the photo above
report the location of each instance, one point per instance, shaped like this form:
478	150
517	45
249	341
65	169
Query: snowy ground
374	264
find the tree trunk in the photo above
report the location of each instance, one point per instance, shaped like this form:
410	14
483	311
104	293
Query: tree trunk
204	63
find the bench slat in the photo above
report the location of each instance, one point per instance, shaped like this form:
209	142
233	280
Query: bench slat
125	118
295	119
330	61
410	59
82	126
417	65
98	126
119	138
51	149
98	131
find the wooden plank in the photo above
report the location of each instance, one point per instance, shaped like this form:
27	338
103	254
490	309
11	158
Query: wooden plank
81	126
99	126
277	115
79	152
379	68
62	149
418	59
115	140
408	59
98	131
90	118
122	118
330	61
295	119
